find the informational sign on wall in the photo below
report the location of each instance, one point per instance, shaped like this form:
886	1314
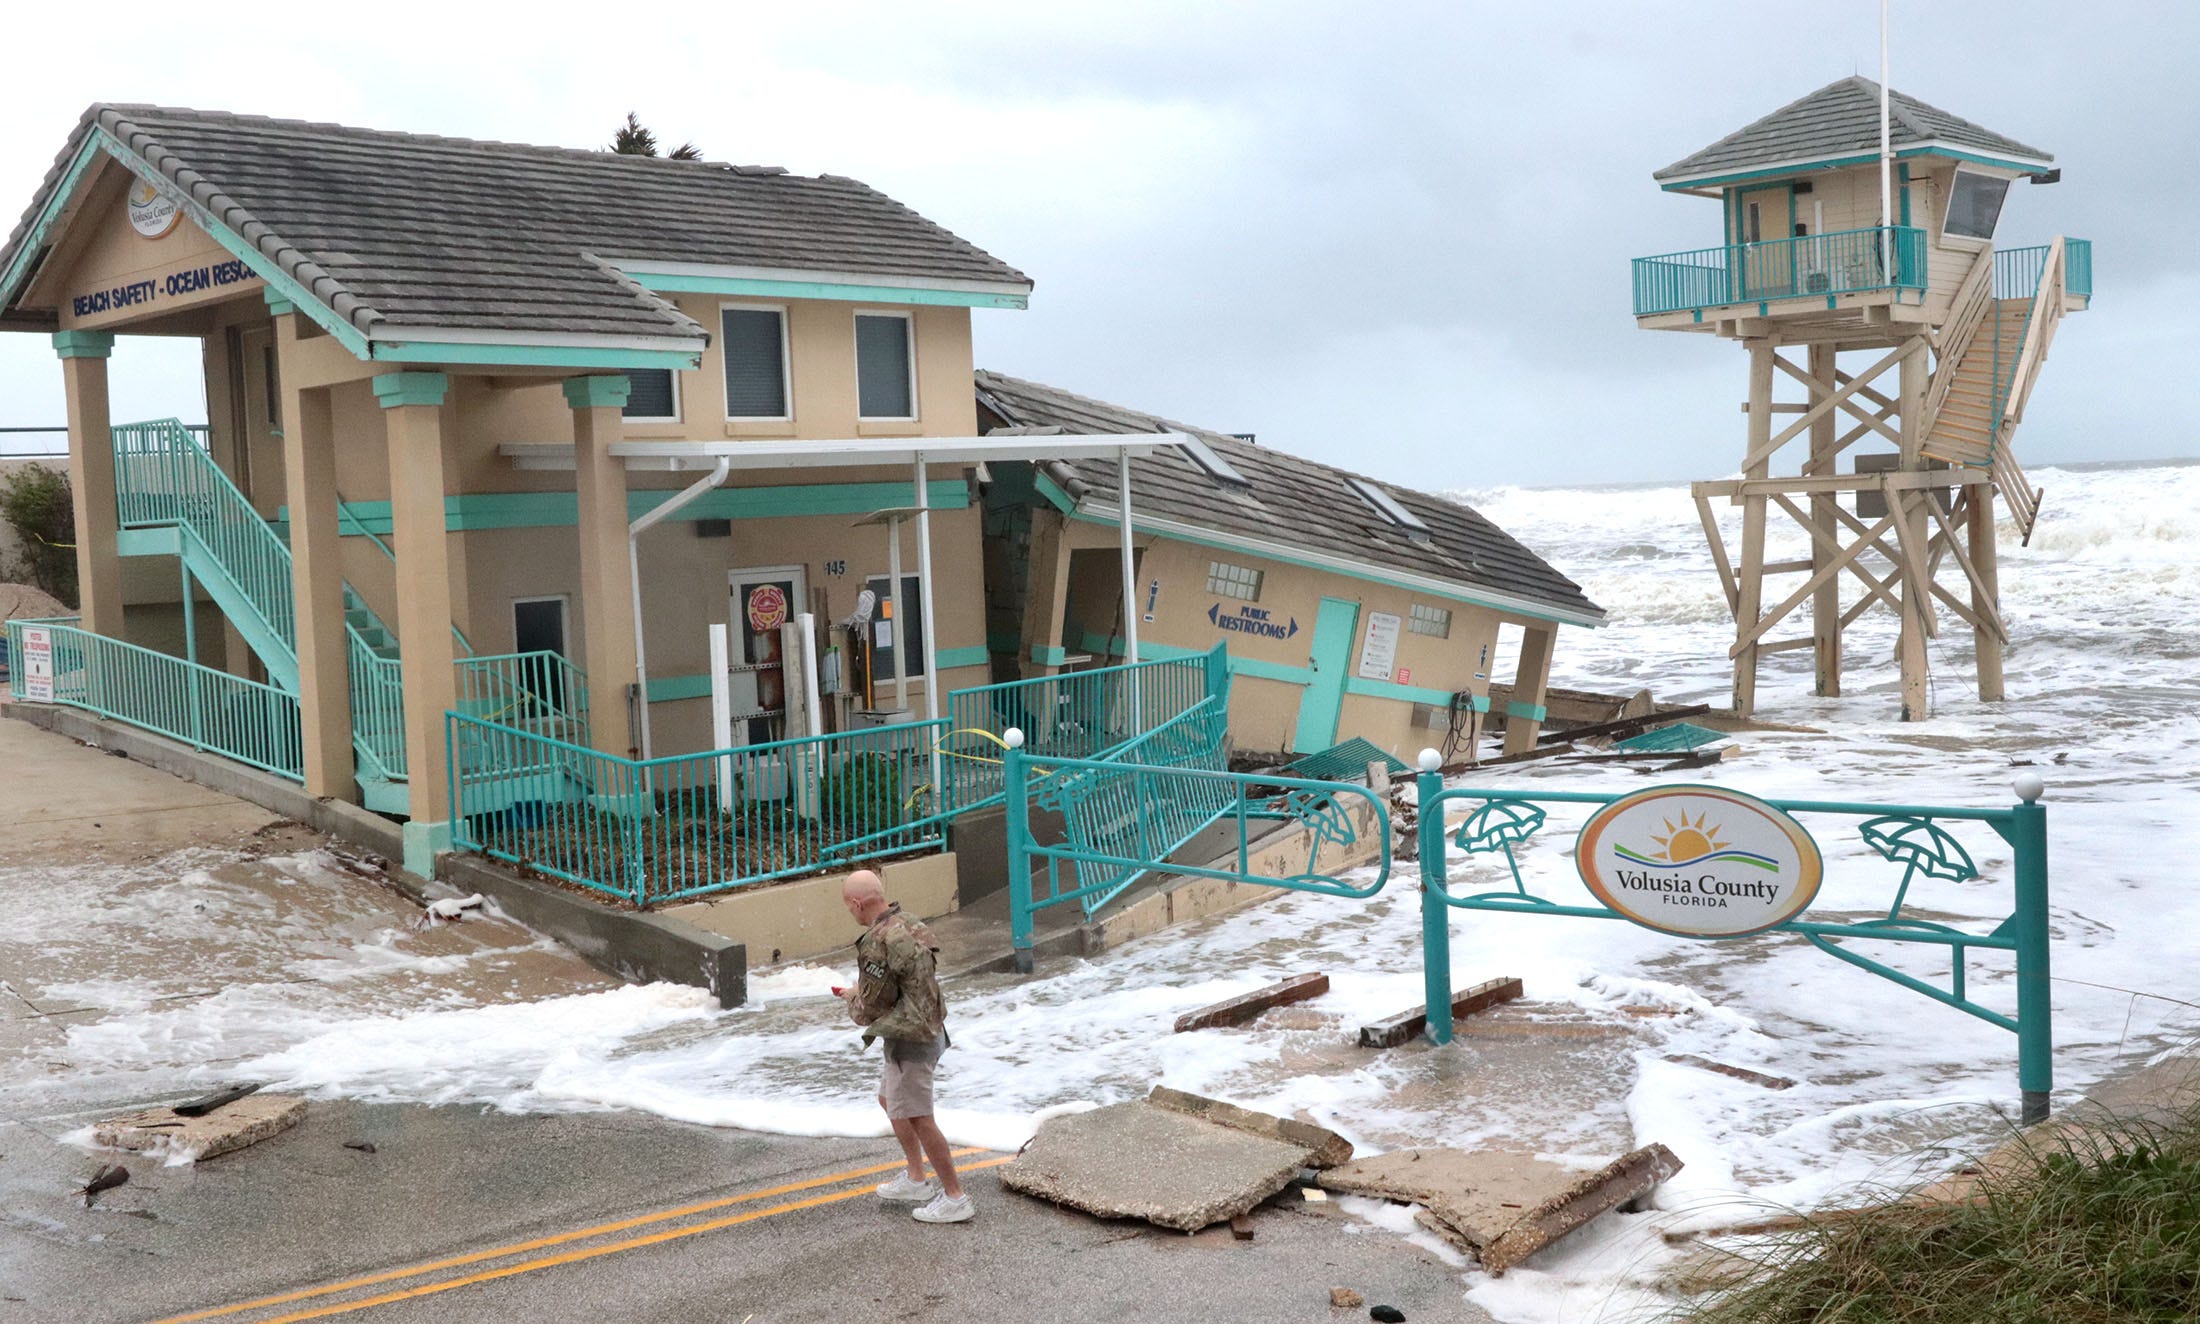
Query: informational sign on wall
1699	861
1379	650
37	664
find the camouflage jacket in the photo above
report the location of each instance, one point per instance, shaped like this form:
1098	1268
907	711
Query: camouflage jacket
897	994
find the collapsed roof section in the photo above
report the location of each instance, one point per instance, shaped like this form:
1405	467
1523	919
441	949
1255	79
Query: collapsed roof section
1225	490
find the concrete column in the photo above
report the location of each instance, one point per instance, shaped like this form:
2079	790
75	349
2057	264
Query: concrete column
607	608
412	404
1909	506
1046	593
92	478
316	577
1986	559
1825	605
1531	682
1750	587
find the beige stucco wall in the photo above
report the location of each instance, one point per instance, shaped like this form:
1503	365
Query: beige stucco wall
1264	712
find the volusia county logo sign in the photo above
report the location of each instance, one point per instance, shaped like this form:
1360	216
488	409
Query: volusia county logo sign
151	214
1699	862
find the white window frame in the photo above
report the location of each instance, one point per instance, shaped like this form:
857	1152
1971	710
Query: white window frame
674	416
1948	203
1223	586
909	342
565	620
1415	620
786	365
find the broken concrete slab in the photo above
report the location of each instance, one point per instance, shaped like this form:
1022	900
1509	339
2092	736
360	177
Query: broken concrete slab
1501	1207
1240	1009
1409	1024
1135	1160
165	1133
1324	1147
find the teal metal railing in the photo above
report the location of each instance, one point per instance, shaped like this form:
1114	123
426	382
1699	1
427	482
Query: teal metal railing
1807	266
206	709
2078	266
164	477
655	830
1127	815
540	692
1077	714
377	710
2017	271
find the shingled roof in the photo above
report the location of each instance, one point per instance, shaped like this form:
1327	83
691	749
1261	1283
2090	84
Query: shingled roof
1288	502
1841	120
405	235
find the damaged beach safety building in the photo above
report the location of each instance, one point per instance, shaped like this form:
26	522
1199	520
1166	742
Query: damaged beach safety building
1351	608
645	523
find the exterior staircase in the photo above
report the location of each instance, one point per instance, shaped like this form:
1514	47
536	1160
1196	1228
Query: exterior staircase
1988	355
173	499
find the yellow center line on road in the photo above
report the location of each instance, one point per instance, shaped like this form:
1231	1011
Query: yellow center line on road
592	1252
539	1243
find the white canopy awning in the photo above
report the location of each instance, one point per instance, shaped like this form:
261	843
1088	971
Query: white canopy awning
857	452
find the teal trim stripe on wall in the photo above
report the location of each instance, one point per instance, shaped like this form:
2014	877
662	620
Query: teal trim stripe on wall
476	511
665	282
1384	689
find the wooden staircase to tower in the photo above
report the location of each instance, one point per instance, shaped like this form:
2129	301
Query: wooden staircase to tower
1987	358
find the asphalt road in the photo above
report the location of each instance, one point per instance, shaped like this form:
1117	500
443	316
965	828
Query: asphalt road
461	1214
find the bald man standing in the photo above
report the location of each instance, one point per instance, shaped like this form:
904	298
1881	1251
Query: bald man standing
897	1000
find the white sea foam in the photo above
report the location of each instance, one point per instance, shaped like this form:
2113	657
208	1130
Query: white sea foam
2105	706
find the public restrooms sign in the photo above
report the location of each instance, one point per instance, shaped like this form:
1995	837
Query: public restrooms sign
1699	861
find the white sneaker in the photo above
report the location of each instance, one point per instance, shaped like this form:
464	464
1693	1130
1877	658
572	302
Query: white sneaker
901	1190
944	1210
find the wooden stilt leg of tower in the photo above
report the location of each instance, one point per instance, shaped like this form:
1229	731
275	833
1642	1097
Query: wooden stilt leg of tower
1910	524
1749	586
1825	458
1986	589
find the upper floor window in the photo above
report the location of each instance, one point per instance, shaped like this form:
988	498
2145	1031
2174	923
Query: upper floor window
1974	205
654	397
886	366
754	343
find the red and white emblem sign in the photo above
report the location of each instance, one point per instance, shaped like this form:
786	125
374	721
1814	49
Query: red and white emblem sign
767	607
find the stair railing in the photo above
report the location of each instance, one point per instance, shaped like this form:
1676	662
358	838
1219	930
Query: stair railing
164	477
1973	297
2039	332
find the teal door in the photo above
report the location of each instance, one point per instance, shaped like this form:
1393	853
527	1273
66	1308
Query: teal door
1333	630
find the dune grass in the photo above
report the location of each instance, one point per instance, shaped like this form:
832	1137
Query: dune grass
2097	1225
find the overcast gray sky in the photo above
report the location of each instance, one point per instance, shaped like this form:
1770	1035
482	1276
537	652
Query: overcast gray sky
1390	236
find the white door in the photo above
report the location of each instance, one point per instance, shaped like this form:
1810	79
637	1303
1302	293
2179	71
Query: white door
763	598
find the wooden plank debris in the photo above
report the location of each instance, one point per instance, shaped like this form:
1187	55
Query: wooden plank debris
1738	1073
1240	1009
1625	726
1408	1024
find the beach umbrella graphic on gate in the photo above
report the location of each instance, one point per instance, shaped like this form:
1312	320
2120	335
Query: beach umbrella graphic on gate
1921	846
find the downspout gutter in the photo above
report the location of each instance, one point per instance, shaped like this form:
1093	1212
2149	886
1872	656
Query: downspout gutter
634	531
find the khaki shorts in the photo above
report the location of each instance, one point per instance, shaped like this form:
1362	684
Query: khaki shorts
906	1089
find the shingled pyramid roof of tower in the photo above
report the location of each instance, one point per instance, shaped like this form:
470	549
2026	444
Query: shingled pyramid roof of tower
1841	120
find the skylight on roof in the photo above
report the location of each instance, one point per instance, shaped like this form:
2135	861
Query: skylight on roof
1387	506
1217	468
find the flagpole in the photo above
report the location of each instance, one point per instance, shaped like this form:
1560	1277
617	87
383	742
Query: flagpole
1886	158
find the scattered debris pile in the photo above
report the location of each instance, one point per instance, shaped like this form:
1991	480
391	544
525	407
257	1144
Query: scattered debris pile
1498	1206
1176	1160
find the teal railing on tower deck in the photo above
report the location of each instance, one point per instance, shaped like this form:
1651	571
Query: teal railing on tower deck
1806	266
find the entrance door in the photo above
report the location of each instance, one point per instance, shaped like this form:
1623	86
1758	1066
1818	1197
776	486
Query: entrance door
1768	263
763	599
1318	706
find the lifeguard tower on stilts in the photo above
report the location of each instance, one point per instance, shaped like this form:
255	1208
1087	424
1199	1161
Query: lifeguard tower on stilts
1859	269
